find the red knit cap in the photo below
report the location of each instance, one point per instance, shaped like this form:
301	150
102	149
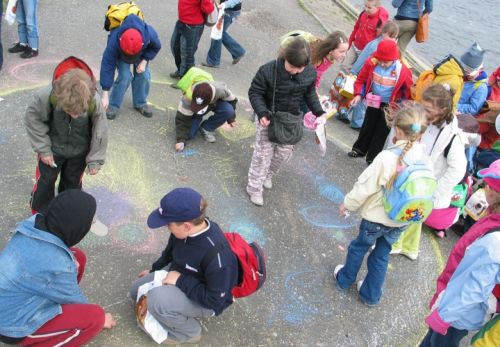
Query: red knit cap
387	50
131	42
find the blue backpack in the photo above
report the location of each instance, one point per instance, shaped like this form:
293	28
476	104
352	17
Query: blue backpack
410	199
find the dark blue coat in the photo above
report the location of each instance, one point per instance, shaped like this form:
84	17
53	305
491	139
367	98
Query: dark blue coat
111	54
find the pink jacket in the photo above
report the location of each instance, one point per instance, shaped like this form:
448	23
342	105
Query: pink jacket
481	227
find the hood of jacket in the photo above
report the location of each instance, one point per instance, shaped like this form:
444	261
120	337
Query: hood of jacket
449	66
69	216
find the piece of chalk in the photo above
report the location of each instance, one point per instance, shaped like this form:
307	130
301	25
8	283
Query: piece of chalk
54	165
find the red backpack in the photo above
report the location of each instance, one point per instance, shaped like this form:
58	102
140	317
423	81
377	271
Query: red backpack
251	263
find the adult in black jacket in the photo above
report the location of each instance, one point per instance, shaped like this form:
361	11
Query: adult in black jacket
295	78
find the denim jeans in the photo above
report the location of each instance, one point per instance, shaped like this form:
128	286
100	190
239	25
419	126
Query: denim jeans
27	22
451	339
184	43
369	234
223	112
236	50
140	85
1	47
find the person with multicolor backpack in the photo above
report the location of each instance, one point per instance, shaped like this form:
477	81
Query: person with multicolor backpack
468	289
207	268
134	43
384	213
444	144
68	130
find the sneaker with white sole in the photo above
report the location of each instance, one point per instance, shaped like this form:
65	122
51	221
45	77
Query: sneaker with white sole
208	135
395	251
257	199
412	256
268	184
358	285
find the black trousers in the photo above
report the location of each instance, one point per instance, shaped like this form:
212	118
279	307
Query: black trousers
373	133
71	170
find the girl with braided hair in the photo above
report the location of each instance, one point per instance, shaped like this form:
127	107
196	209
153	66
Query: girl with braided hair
376	227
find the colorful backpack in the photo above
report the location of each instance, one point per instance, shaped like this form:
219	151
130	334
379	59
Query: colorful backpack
425	80
117	13
410	199
251	263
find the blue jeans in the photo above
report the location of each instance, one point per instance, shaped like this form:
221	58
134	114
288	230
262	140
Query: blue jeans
140	85
223	112
1	47
451	339
27	21
184	43
369	234
236	50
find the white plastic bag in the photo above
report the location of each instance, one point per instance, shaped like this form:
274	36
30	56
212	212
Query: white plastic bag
151	325
216	33
10	12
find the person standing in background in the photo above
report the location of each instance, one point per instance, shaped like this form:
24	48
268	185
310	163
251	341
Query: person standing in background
407	18
187	33
27	28
232	10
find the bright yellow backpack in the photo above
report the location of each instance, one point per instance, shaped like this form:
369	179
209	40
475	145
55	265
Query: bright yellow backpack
117	13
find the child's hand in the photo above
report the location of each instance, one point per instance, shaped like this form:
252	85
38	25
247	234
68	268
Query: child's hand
48	160
109	321
355	100
141	67
143	273
105	99
342	210
171	278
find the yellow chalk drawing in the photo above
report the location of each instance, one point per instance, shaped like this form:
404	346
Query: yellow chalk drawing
163	130
224	172
244	129
125	173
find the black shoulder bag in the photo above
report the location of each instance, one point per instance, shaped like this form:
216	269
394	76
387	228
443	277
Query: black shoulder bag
285	128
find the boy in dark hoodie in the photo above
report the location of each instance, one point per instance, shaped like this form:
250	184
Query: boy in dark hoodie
189	291
132	43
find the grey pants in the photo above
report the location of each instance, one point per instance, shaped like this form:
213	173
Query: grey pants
266	160
173	309
407	29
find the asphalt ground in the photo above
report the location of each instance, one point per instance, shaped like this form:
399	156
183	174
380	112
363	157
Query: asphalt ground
298	226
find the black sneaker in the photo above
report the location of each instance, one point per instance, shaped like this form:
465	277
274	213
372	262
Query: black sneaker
175	75
29	53
145	111
111	113
18	48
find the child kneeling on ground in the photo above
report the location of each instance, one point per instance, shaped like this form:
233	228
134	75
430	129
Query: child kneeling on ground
189	291
41	301
376	227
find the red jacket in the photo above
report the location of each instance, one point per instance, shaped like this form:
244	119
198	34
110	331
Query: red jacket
401	89
479	228
191	11
365	28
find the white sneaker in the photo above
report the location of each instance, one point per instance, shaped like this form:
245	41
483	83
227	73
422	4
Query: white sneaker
337	269
268	184
358	285
412	256
395	251
257	199
208	135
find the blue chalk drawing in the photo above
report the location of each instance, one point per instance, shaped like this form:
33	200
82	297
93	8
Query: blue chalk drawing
250	231
325	217
190	152
329	190
306	292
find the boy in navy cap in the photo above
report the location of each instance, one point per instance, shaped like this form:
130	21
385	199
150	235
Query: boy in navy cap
189	291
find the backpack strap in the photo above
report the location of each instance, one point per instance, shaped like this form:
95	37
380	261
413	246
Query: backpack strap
448	146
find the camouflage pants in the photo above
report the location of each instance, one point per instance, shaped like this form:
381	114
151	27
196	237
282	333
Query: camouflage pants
266	160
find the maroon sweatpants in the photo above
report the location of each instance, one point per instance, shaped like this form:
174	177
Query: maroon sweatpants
75	326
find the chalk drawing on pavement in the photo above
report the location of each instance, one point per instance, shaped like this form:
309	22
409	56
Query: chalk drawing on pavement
249	230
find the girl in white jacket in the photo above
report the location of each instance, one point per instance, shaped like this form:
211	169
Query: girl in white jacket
376	227
444	143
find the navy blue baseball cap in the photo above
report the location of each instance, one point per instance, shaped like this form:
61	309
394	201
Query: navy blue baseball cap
179	205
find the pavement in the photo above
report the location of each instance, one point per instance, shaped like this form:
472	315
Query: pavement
298	226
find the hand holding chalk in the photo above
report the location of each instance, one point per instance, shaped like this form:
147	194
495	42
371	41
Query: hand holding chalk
49	161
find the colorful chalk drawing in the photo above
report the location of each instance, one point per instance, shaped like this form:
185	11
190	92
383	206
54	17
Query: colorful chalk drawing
245	128
328	190
224	171
325	217
249	230
306	296
189	152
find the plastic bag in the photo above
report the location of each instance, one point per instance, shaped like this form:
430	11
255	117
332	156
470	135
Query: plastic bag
216	33
10	12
